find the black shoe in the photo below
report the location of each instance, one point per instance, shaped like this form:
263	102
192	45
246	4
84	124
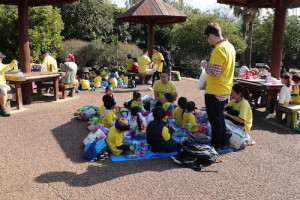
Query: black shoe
5	113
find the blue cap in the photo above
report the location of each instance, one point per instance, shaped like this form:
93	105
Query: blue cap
112	75
129	55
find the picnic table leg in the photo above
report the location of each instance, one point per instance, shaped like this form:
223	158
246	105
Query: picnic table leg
19	95
271	96
55	87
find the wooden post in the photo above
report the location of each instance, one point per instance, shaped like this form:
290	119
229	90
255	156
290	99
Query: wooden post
24	47
277	40
151	39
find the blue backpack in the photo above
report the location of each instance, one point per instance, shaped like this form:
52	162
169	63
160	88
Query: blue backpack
94	148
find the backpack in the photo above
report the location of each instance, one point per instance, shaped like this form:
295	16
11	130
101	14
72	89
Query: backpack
131	83
94	148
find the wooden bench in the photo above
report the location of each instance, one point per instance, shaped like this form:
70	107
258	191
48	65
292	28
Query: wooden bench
64	88
143	77
288	110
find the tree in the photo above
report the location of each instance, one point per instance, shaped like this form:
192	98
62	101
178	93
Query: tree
248	16
88	20
45	26
191	43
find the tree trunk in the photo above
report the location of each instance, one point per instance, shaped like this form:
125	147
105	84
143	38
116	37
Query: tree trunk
249	53
242	61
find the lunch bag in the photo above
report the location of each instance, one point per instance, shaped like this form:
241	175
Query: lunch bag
93	148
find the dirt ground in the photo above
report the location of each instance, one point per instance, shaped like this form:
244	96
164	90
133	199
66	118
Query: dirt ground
42	158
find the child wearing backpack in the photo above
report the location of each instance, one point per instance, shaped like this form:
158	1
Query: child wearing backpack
179	111
168	106
108	115
158	136
139	123
188	116
238	110
115	137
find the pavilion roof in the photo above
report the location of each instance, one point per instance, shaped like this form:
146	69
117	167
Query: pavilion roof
38	2
261	3
153	11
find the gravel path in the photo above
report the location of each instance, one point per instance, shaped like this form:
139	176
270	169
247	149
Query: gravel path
41	158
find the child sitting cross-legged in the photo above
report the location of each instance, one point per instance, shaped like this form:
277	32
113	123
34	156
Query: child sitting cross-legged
115	137
139	123
168	106
188	116
108	116
158	136
97	80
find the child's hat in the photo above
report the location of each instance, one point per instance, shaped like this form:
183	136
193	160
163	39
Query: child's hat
129	55
112	75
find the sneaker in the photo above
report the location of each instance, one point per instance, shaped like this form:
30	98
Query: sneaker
175	159
150	88
5	113
271	116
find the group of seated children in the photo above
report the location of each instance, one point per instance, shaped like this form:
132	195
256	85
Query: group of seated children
93	79
288	93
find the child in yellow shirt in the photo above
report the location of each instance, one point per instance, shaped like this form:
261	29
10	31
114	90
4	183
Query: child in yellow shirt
188	116
108	116
84	83
179	111
113	82
168	106
102	72
97	79
115	137
296	89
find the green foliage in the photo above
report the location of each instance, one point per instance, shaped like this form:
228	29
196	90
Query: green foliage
97	53
88	20
193	47
45	26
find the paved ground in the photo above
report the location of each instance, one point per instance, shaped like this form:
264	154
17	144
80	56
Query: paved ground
41	158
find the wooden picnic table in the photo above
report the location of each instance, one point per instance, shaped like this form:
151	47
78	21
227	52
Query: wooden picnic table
19	78
260	84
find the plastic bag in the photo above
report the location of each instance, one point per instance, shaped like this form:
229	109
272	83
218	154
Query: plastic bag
202	80
151	71
239	139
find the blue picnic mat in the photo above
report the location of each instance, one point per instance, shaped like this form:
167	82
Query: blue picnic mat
149	154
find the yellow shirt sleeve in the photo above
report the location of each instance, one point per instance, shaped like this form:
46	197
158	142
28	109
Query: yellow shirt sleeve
165	133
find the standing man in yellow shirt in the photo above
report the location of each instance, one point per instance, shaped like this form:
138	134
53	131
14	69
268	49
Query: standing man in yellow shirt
48	62
219	82
158	60
4	88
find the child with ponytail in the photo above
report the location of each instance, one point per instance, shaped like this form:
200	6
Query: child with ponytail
238	110
139	123
179	111
188	116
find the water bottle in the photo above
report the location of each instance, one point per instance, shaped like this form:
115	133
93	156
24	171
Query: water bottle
188	128
182	132
143	149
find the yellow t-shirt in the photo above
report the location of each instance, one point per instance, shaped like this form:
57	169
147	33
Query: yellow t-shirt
97	81
113	82
101	109
103	74
162	89
114	140
223	55
49	60
135	103
178	117
190	118
109	119
296	90
85	84
142	62
245	112
125	80
129	63
158	57
4	68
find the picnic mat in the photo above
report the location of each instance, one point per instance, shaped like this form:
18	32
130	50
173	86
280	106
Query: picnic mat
149	154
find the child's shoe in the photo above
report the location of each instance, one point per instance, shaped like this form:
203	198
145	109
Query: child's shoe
271	116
